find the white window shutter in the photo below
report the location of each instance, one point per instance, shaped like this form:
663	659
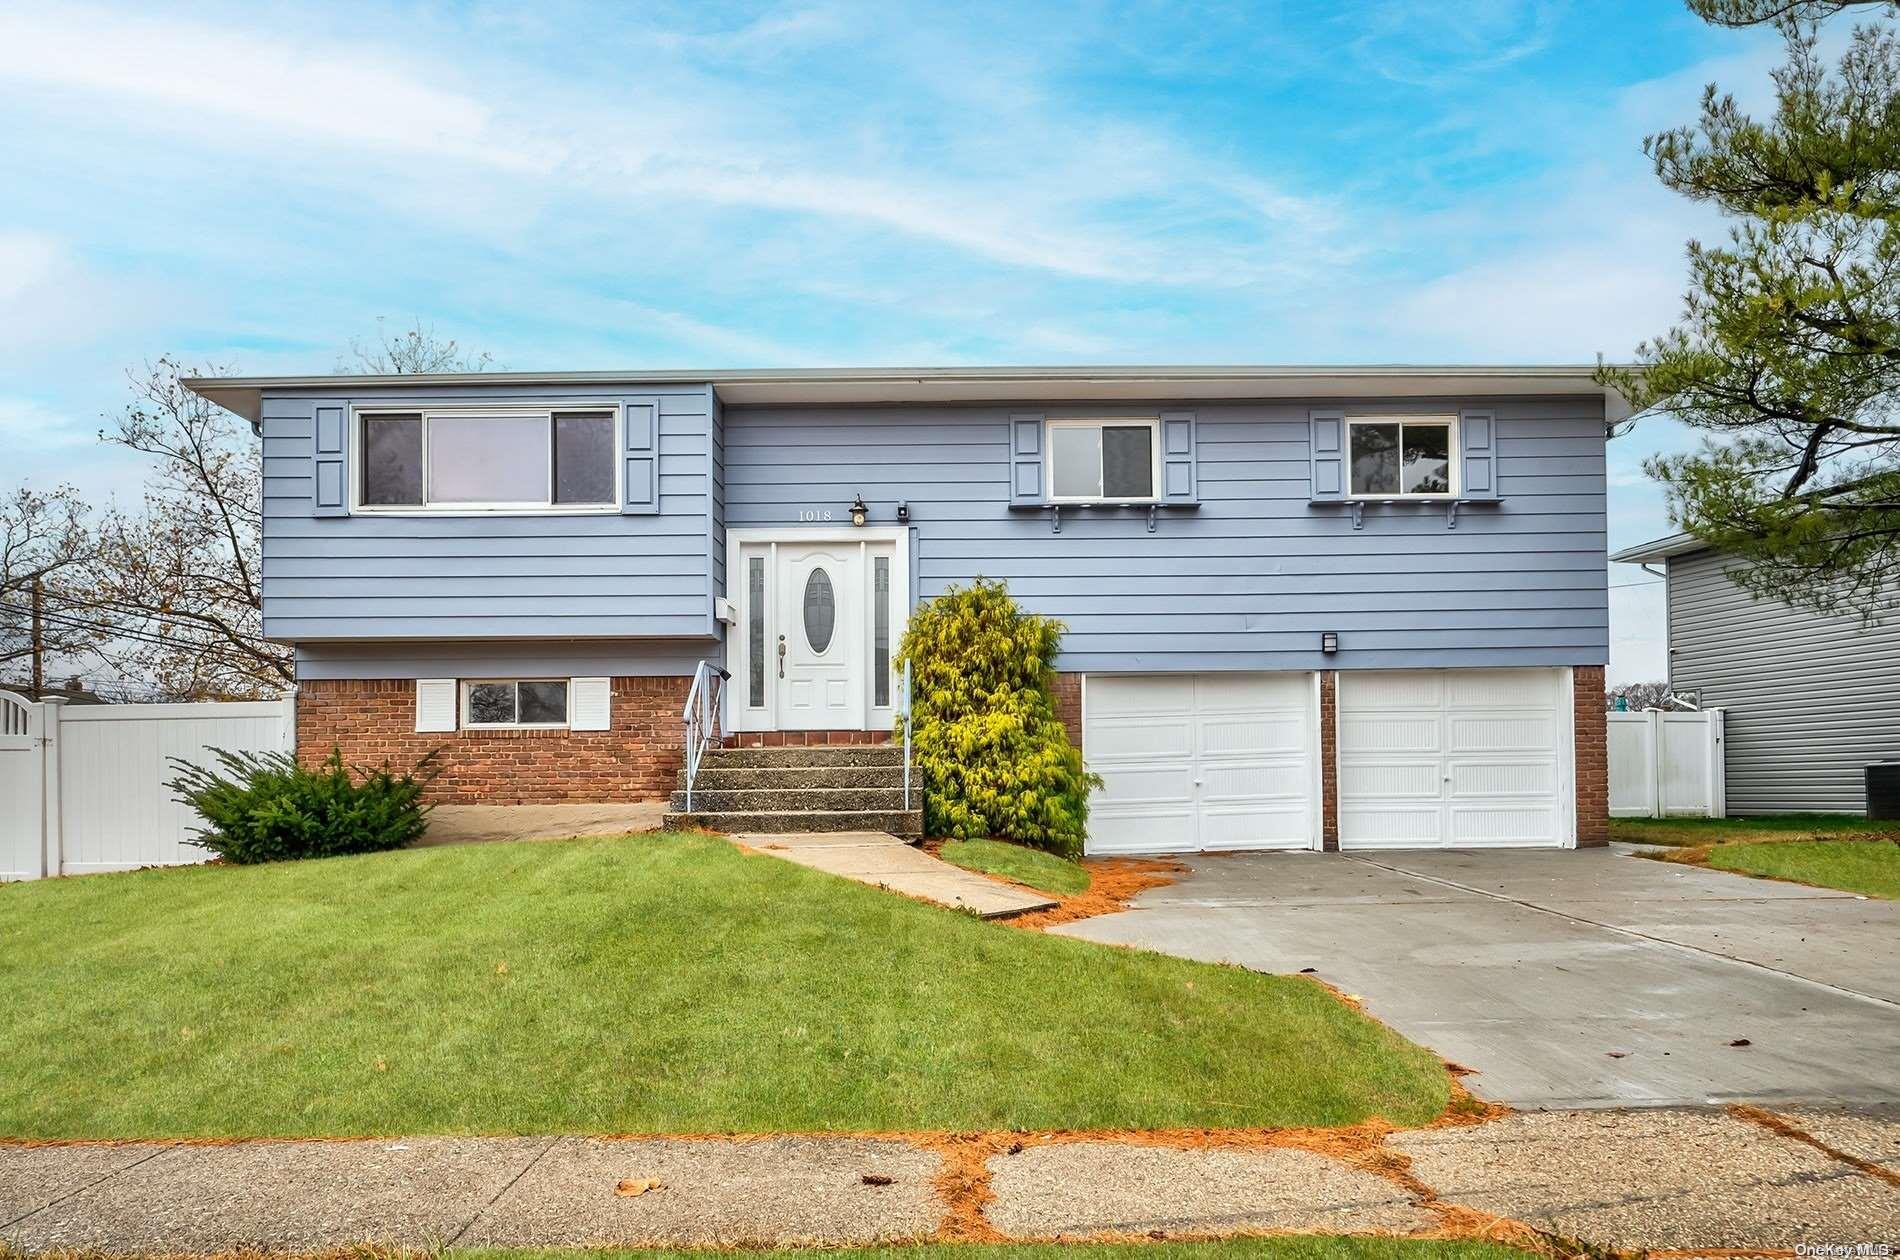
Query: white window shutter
590	704
435	704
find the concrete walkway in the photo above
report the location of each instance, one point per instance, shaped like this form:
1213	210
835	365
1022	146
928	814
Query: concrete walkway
1566	979
1648	1179
476	824
883	861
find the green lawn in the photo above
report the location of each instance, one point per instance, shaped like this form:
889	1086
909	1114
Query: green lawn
1863	866
1689	832
1307	1247
1024	865
631	984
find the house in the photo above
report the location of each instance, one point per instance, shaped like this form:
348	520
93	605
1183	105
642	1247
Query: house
1811	698
1357	607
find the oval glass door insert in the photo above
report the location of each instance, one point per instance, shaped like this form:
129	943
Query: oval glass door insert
821	611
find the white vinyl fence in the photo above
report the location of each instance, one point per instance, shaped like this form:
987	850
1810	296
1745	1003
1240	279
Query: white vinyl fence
83	788
1666	765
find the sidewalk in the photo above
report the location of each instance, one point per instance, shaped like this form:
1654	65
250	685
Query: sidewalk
882	860
1638	1179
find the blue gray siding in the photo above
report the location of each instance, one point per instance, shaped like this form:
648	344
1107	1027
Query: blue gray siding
544	658
1811	699
1250	577
490	577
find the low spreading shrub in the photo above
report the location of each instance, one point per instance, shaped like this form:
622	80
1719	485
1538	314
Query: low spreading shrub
995	760
264	807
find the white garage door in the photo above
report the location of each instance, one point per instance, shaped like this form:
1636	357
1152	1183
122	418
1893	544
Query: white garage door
1200	761
1456	758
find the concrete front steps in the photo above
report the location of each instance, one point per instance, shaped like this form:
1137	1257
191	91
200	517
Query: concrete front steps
840	787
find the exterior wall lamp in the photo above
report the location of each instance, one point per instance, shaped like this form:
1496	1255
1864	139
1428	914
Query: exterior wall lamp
1329	641
858	510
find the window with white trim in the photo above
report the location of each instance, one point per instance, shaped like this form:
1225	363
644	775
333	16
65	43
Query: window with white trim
500	703
459	459
1094	461
1403	457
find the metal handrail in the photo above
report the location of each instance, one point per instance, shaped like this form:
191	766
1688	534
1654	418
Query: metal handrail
906	716
701	719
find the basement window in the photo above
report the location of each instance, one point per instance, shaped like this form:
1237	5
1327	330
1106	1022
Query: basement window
504	703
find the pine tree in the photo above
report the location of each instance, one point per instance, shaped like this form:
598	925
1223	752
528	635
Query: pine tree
1788	350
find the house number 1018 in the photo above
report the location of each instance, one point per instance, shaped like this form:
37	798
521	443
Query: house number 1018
814	514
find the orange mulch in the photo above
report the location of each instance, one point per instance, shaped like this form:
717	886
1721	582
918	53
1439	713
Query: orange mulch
1113	883
1788	1129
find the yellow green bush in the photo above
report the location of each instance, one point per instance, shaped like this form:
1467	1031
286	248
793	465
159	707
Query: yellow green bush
996	762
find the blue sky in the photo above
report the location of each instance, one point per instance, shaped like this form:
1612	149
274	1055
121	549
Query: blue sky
725	185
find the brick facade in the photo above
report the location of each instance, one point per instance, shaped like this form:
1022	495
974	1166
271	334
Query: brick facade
1068	697
1329	760
803	739
374	722
1593	756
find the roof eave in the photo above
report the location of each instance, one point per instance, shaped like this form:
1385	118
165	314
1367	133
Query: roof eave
244	394
1678	544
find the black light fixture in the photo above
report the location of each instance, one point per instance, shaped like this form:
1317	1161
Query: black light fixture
1329	641
858	510
903	510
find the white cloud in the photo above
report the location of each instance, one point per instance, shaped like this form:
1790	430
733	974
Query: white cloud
1042	191
50	300
269	85
28	425
1426	43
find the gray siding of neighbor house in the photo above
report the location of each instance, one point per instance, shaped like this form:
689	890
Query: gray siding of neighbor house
440	577
1252	576
1811	699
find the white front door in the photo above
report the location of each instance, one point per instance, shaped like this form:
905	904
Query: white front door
1193	762
819	661
819	620
1453	758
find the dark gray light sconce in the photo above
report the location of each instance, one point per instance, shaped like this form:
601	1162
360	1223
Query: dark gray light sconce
1329	641
858	510
903	511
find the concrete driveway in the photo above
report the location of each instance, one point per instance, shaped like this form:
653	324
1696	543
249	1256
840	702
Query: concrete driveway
1591	978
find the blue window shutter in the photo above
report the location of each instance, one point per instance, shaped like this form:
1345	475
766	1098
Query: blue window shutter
1478	436
642	494
1025	459
332	482
1329	454
1177	457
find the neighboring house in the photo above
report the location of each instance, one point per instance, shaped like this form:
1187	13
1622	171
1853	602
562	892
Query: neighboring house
1306	607
1811	698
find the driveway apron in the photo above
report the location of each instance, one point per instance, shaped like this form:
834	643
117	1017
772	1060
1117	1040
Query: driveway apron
1566	978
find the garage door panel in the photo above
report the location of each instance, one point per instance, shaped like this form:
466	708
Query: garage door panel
1255	779
1200	762
1143	696
1501	732
1243	736
1138	785
1385	827
1529	778
1389	689
1118	739
1383	780
1389	733
1258	827
1499	688
1251	693
1476	826
1132	829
